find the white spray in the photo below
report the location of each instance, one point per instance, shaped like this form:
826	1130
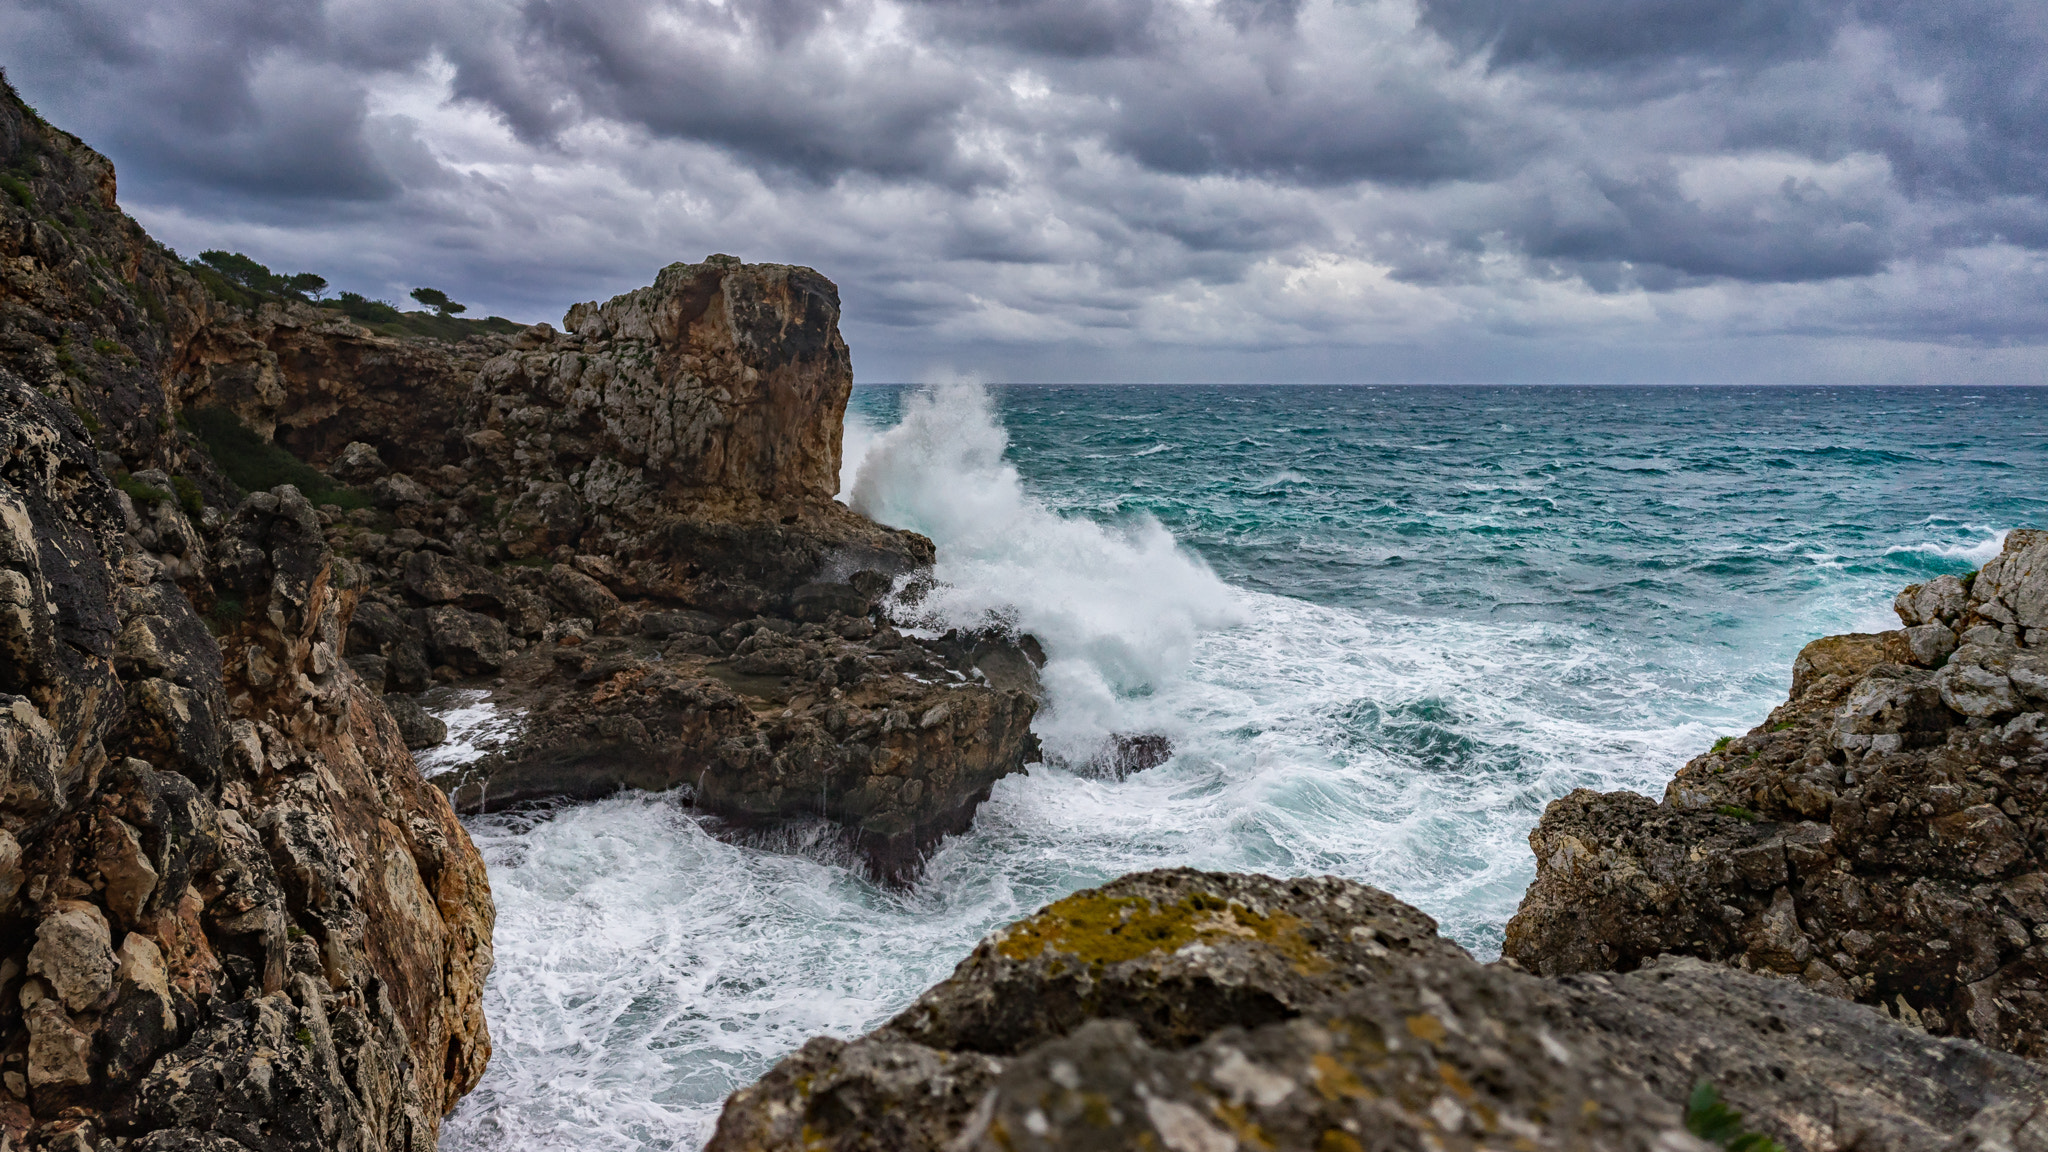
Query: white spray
1118	608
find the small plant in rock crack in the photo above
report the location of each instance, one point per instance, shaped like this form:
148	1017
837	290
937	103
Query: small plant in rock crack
1708	1117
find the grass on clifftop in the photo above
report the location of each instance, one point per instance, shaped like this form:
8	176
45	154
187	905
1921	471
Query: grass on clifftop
386	320
257	465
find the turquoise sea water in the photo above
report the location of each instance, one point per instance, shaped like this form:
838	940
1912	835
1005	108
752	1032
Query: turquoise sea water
1382	626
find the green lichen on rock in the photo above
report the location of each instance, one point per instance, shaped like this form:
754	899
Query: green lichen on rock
1101	929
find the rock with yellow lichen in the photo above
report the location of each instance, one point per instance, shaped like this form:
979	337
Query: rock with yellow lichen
1199	1012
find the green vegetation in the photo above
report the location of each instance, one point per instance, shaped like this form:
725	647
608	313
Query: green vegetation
1723	742
1708	1117
384	318
144	495
438	300
227	612
1737	811
356	307
18	191
251	276
238	280
257	465
189	497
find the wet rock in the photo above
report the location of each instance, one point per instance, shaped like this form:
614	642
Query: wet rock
437	579
468	641
1124	754
418	727
1185	1010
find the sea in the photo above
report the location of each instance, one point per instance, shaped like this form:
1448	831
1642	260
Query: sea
1381	626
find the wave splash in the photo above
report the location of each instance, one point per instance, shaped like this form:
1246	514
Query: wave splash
1118	607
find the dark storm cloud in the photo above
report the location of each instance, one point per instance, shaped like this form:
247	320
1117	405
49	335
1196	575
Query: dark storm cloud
1167	170
189	98
1059	28
750	79
1606	33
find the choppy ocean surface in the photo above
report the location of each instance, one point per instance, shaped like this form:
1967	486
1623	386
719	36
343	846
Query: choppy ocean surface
1382	626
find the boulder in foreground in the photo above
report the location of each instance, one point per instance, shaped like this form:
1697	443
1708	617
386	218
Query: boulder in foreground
1201	1012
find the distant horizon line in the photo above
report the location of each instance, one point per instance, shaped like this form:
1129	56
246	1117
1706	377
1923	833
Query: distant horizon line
1414	384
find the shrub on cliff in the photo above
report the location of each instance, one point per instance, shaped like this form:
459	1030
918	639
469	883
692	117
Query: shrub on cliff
233	278
258	465
438	300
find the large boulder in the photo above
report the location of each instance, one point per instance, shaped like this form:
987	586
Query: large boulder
1195	1011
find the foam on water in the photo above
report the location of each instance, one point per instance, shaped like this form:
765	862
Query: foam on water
1118	607
475	726
1403	727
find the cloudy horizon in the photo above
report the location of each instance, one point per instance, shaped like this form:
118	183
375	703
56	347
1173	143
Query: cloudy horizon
1573	191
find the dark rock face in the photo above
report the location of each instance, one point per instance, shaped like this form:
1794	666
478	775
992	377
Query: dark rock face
1883	836
627	531
1185	1010
658	477
766	723
231	913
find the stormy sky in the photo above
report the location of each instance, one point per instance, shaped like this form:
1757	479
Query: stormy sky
1755	191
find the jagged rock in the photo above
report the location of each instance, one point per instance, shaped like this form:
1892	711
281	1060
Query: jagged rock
470	642
1875	837
74	954
1185	1010
793	725
416	725
397	490
379	630
193	828
357	463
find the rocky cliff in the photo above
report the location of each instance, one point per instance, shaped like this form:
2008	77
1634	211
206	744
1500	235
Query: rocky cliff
232	915
626	532
1207	1013
1882	837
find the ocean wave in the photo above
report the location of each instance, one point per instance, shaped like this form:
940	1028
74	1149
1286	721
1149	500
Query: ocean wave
1117	606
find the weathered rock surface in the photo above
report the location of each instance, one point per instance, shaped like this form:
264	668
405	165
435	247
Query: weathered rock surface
1882	836
232	915
627	531
1193	1011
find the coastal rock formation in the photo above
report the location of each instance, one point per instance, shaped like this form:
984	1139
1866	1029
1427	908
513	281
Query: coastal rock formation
232	915
1186	1010
1881	837
634	542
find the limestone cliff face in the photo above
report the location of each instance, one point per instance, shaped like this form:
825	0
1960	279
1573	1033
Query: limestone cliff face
1882	836
627	531
723	378
1187	1010
232	915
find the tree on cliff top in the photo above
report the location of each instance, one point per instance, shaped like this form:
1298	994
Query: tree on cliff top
243	272
438	300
